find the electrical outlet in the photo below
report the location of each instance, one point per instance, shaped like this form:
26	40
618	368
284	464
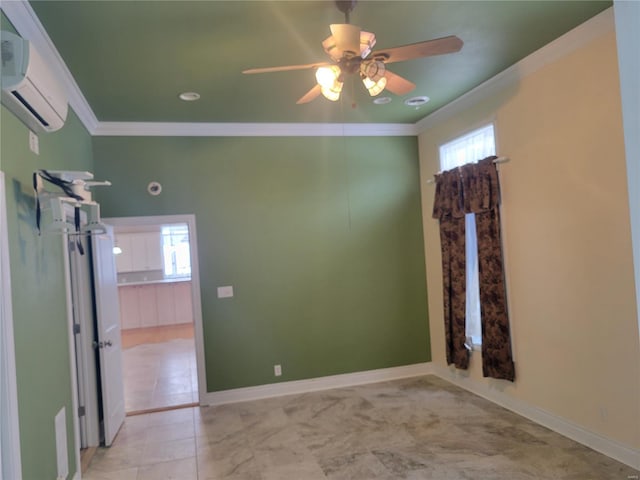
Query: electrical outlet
277	370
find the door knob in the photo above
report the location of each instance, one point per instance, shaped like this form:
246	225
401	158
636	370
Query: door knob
102	344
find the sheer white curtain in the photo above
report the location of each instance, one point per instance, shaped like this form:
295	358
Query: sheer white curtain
470	148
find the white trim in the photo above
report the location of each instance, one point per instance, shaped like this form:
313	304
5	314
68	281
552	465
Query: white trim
618	451
72	349
28	25
190	220
560	47
26	22
10	461
315	384
151	129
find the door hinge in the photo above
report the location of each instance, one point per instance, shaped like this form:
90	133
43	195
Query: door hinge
81	411
76	328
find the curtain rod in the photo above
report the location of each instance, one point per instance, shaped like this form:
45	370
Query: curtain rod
497	160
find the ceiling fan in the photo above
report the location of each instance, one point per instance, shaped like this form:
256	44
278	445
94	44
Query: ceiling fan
350	49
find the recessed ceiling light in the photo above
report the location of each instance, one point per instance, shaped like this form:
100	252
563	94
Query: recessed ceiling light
416	101
382	100
189	96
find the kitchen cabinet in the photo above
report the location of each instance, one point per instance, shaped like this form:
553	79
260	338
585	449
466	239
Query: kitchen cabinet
139	252
182	302
155	304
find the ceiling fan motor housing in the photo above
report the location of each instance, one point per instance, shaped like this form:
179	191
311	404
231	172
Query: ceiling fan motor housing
346	7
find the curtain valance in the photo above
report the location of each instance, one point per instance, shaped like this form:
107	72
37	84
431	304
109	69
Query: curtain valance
472	188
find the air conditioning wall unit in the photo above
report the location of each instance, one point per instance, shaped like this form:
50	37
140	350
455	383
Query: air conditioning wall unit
29	87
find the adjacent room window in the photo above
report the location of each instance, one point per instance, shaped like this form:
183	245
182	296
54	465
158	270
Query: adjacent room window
175	249
470	148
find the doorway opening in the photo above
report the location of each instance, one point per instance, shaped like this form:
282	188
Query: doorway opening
158	289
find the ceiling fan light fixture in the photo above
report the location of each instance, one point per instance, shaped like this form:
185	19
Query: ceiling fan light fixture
327	77
374	88
367	42
329	80
332	94
373	70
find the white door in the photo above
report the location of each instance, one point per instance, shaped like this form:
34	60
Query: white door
108	330
84	334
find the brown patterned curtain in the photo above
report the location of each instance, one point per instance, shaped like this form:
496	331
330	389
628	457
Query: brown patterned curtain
474	188
448	209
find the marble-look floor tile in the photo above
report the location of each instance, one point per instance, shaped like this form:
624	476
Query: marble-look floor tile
359	466
160	374
306	470
238	463
126	474
157	452
183	469
412	429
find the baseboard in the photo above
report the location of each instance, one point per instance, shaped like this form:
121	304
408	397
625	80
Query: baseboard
315	384
607	446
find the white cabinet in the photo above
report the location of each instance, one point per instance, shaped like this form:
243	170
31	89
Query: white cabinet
183	304
123	258
148	305
139	252
156	304
166	304
129	307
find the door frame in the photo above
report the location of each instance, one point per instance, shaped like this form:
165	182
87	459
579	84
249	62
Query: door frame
10	462
72	343
190	220
86	366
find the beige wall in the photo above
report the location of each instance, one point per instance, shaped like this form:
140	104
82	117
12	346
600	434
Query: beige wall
567	242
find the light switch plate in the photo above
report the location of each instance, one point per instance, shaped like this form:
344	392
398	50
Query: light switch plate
225	292
34	144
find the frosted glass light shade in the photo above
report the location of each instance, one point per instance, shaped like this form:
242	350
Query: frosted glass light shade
374	88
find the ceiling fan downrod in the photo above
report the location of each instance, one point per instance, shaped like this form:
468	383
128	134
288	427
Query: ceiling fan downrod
346	7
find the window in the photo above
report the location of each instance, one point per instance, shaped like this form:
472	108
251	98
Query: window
470	148
175	250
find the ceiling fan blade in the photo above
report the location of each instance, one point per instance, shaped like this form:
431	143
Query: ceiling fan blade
397	84
286	68
344	38
438	46
310	95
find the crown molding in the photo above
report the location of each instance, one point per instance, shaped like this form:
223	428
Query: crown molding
560	47
155	129
26	22
28	26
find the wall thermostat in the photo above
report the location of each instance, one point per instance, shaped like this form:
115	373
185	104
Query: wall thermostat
154	188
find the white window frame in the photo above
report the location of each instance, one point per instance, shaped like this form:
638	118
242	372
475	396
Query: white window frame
459	151
171	264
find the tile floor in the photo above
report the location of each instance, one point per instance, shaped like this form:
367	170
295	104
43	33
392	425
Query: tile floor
420	428
158	375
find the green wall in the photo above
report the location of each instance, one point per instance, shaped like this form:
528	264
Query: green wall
321	239
38	291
